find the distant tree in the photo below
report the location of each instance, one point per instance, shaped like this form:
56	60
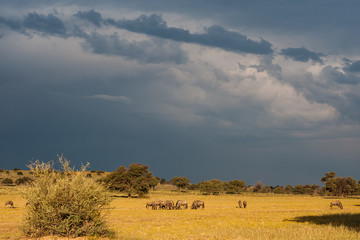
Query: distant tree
257	186
135	180
180	182
235	186
192	187
329	180
7	181
279	189
214	186
163	181
266	189
20	173
16	169
288	189
298	189
339	186
345	186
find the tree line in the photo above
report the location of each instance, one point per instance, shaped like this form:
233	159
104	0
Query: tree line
137	180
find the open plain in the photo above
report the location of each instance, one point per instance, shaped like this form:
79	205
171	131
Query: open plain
267	216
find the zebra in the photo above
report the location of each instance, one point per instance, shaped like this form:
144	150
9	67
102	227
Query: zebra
197	204
149	204
245	204
9	204
240	206
169	204
180	203
336	203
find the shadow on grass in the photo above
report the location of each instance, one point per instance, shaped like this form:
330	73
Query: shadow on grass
349	220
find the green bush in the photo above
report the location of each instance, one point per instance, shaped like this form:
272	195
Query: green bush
7	181
64	203
20	173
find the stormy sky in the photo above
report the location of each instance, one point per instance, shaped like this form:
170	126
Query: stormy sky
250	90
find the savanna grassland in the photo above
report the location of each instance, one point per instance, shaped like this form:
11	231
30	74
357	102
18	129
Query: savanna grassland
268	216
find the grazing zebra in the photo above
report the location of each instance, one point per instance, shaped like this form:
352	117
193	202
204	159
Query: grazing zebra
197	203
149	204
336	203
240	206
156	204
169	204
9	204
245	204
181	203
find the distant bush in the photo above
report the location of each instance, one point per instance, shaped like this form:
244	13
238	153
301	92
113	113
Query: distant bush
67	204
16	169
20	173
7	181
23	180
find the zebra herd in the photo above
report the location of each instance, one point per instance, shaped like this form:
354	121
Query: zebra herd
169	204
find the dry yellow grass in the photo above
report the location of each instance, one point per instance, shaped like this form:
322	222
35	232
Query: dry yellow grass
267	216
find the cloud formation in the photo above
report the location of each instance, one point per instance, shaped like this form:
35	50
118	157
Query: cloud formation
143	51
214	36
118	84
110	98
302	54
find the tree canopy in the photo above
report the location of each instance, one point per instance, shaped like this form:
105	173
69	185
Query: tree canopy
137	179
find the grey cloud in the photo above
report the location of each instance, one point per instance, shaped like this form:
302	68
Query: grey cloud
302	54
340	77
11	23
144	51
91	16
353	67
214	36
259	68
49	24
111	98
45	25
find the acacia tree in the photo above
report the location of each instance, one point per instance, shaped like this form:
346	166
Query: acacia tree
214	186
235	187
339	186
135	180
180	182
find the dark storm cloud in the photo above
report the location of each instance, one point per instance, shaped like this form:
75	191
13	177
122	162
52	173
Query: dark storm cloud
144	51
302	54
341	77
11	23
49	24
214	36
353	67
91	16
43	24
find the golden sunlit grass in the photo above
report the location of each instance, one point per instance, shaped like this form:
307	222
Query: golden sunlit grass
268	216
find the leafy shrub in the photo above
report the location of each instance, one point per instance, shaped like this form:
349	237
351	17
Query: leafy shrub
66	204
20	173
7	181
23	180
16	169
